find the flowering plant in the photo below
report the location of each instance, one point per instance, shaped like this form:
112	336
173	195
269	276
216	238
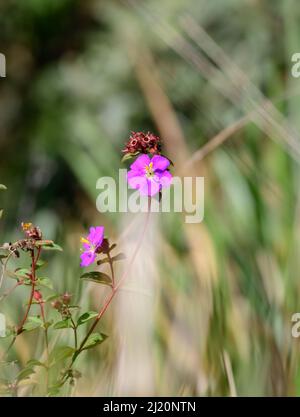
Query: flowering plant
148	174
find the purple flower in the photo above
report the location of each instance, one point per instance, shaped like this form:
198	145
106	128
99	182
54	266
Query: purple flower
149	176
91	244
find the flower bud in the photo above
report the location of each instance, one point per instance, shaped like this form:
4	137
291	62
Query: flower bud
57	304
37	296
104	248
66	298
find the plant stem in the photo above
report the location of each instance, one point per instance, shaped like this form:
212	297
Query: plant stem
46	342
110	297
46	330
33	279
112	270
75	332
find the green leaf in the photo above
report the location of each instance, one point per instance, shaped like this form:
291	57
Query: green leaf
11	274
3	187
63	324
60	353
34	362
1	213
32	323
45	282
49	246
94	340
98	277
129	156
25	373
89	315
119	257
40	263
23	272
51	297
53	391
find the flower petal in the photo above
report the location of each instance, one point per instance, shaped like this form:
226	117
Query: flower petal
135	180
160	163
86	246
150	188
96	235
87	258
140	163
165	178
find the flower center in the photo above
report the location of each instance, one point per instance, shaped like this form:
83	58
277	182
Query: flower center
92	247
149	170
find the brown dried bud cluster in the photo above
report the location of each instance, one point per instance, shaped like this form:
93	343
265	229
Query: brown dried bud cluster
61	304
140	142
33	237
31	231
22	244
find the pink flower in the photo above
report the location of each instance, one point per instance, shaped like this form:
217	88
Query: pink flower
91	244
149	176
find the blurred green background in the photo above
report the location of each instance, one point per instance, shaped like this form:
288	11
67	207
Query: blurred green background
81	74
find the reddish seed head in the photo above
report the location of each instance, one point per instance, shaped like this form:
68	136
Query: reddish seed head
143	143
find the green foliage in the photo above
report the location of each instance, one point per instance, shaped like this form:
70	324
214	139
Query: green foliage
129	156
119	257
63	324
45	282
60	353
32	323
67	106
98	277
94	339
85	317
49	246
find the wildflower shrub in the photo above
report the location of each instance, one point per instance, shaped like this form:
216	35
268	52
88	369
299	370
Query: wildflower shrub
149	173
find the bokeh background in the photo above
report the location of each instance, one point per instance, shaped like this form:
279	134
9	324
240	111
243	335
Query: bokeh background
208	309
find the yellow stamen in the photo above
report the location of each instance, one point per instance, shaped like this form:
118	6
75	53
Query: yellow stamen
149	169
84	240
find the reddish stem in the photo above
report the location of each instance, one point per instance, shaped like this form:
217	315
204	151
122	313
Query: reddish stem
33	279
